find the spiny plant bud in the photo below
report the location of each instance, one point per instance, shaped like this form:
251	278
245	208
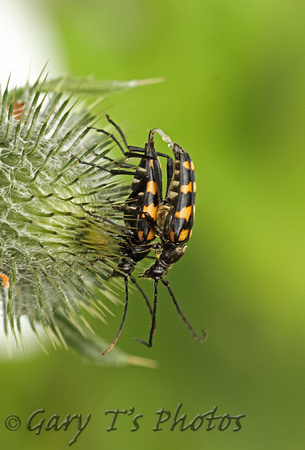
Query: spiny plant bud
48	243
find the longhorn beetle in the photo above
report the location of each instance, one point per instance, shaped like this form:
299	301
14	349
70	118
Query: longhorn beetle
173	225
144	198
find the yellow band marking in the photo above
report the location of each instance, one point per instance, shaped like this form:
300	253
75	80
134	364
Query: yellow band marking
183	235
151	210
185	188
152	187
185	213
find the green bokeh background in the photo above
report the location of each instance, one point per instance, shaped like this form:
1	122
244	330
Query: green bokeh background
234	97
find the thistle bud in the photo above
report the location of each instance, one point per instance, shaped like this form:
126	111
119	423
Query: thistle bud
55	258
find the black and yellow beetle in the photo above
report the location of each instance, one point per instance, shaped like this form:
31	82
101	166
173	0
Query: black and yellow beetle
144	198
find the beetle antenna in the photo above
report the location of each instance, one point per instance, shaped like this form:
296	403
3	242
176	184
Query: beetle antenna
153	320
143	294
122	322
195	336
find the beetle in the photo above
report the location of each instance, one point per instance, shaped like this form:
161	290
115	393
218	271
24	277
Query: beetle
144	198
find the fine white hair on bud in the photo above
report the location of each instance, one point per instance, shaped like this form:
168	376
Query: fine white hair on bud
49	245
